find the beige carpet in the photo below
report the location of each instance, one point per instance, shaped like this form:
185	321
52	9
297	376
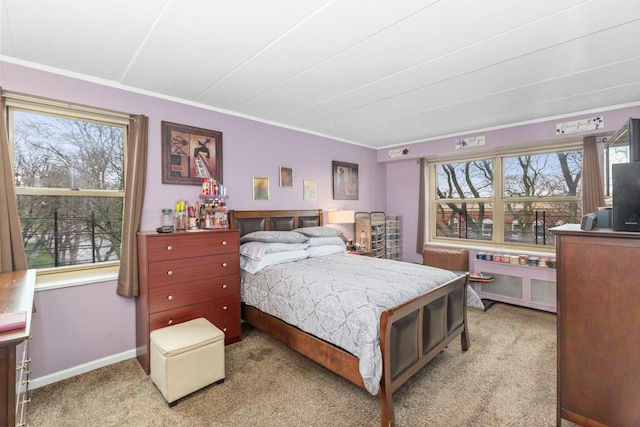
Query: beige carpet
507	378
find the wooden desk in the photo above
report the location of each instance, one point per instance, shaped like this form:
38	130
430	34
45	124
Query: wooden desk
16	294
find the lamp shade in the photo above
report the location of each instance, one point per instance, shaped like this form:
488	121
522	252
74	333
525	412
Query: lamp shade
340	217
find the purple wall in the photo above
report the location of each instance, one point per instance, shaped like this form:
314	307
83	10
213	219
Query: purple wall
81	324
403	175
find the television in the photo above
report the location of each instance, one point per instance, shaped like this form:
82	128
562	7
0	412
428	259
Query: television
625	176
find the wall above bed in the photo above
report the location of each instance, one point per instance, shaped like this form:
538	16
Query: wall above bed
250	148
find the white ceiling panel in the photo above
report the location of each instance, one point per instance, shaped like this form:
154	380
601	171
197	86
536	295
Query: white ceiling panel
310	44
374	73
86	37
444	71
196	44
436	32
520	72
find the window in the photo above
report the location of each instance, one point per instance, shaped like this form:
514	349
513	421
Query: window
69	176
507	199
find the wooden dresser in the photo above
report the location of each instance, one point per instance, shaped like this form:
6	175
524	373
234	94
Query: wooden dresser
186	275
16	295
598	326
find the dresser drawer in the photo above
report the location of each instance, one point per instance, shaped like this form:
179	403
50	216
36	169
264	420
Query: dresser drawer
191	244
224	313
176	295
186	270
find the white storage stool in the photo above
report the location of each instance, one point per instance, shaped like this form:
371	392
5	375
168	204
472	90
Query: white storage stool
186	357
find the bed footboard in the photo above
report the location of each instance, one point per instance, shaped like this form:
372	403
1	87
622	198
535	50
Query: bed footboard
413	333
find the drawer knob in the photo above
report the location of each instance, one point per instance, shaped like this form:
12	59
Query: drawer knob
224	330
169	248
170	297
224	264
224	286
224	243
225	308
170	322
169	273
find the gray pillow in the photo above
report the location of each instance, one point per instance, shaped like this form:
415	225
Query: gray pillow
331	240
319	231
274	237
257	250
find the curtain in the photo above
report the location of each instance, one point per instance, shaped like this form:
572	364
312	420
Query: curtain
135	181
592	186
12	254
421	207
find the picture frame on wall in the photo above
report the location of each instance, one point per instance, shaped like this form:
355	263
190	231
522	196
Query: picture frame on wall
260	188
286	176
308	189
189	154
345	181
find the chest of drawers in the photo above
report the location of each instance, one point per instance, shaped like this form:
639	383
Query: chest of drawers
186	275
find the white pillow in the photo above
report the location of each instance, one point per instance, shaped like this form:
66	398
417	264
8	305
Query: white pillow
321	241
253	265
319	231
316	251
257	250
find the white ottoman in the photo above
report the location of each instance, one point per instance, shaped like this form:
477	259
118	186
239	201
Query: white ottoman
186	357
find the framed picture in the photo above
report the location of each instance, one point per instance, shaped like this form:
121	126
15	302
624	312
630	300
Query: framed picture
260	188
190	154
286	176
345	181
308	190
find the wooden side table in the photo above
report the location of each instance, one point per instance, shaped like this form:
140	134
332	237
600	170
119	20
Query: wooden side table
482	278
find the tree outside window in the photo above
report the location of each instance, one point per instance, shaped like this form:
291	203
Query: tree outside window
511	199
69	177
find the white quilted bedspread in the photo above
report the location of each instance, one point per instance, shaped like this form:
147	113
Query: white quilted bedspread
339	298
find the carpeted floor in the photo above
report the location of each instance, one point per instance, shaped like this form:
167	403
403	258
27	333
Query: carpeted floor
507	378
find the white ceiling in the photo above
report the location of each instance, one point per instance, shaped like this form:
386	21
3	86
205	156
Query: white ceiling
372	72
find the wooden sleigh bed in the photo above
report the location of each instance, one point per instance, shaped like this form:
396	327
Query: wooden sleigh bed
411	334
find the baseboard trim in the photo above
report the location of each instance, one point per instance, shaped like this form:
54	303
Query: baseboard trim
80	369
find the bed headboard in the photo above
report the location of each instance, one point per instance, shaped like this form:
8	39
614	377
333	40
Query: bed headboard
279	220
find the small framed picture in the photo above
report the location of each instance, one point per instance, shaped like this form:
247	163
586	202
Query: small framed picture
308	189
260	188
345	181
286	176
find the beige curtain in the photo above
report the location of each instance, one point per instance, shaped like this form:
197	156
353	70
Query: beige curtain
12	254
421	207
135	181
592	186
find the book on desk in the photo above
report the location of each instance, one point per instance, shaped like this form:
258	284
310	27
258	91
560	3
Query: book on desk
14	320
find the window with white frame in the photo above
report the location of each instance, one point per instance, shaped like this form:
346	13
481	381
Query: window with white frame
511	198
69	165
